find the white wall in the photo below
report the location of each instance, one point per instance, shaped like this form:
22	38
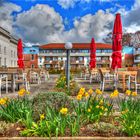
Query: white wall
10	53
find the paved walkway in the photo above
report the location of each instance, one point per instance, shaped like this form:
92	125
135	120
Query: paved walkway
35	88
49	85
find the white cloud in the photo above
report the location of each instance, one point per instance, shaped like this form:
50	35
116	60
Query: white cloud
43	24
131	18
89	26
6	19
39	23
66	4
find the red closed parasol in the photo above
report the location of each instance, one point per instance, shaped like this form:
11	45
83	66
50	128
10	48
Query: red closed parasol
117	43
92	54
20	54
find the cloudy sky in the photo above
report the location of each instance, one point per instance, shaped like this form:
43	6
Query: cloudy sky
45	21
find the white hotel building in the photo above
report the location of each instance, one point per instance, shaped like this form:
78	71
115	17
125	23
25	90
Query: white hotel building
8	49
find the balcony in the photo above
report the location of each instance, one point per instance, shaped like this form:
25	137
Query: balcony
51	62
77	62
74	54
103	62
136	61
137	52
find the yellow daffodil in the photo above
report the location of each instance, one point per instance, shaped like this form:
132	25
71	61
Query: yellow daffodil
97	106
79	97
100	113
2	101
21	92
81	91
98	91
102	107
134	93
64	111
128	92
114	94
27	92
101	102
105	109
86	95
89	110
42	116
90	91
125	111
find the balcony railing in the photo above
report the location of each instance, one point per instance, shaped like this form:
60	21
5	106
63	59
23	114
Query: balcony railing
77	62
137	52
73	54
136	61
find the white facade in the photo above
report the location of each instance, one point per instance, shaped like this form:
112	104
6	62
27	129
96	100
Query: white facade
137	55
8	49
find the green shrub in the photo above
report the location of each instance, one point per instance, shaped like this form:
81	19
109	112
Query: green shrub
62	86
54	100
130	116
15	109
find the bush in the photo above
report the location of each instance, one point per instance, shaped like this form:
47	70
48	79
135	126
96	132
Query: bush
130	116
54	100
15	109
61	85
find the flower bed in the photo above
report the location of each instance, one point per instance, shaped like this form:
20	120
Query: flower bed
57	114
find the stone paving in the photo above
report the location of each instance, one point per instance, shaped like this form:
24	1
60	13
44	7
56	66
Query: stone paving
50	84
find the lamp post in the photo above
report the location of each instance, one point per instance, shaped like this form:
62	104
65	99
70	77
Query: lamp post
68	46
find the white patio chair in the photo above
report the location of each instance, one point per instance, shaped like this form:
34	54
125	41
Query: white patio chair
107	79
34	78
134	80
21	79
3	82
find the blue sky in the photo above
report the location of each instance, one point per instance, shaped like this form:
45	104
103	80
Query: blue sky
44	21
78	10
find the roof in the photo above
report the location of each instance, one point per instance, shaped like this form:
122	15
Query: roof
75	46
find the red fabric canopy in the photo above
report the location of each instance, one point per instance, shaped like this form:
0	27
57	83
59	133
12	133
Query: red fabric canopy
20	54
92	54
117	43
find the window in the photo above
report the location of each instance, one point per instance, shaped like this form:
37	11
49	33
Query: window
48	66
98	51
4	50
55	58
4	61
11	62
32	65
14	63
11	53
80	58
48	58
0	49
0	61
98	58
32	57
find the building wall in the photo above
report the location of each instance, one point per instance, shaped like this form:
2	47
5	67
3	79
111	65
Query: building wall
8	50
136	56
128	57
29	62
31	56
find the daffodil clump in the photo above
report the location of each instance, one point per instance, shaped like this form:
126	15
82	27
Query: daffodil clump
130	93
64	111
83	93
3	101
98	92
42	116
23	92
61	83
114	94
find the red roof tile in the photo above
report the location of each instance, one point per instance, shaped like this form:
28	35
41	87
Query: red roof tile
75	46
